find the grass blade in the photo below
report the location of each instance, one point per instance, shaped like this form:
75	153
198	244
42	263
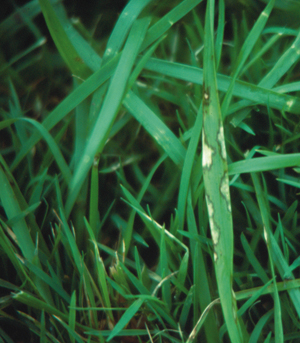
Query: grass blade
217	192
109	110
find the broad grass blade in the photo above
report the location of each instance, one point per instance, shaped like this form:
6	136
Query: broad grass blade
216	183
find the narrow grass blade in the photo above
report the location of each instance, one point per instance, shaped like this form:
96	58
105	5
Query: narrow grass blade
284	63
257	94
245	51
265	214
129	227
73	335
164	24
220	32
12	209
254	338
126	317
64	168
109	110
264	163
33	302
217	192
156	128
121	29
57	287
101	273
189	160
72	316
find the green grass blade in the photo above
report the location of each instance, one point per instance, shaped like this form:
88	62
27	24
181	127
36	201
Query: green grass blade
64	168
75	337
220	32
245	51
32	301
265	214
121	29
156	128
62	42
68	104
72	316
217	192
189	160
126	317
264	163
101	272
109	110
259	326
245	90
164	24
12	209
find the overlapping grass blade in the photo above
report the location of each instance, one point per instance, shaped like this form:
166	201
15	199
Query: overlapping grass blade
62	41
244	53
109	110
67	105
12	24
257	94
122	27
265	214
126	317
259	326
284	63
155	127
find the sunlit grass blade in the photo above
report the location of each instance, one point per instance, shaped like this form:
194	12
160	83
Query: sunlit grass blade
217	192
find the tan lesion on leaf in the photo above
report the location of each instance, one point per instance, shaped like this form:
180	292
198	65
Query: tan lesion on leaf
214	227
224	190
208	152
221	141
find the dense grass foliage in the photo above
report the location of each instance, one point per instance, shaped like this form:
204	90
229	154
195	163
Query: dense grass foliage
149	172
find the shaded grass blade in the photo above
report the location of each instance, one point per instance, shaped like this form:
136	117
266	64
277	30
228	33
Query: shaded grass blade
62	42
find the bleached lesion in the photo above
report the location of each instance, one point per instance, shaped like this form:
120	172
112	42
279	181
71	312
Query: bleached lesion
224	190
221	141
207	159
214	228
